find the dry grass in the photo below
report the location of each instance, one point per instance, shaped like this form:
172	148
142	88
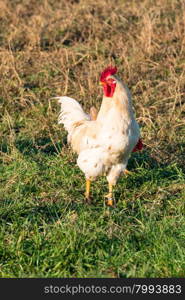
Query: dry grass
51	48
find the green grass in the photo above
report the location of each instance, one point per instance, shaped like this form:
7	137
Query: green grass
51	48
47	230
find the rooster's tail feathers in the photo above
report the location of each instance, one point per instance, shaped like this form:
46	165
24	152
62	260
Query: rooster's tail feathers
70	113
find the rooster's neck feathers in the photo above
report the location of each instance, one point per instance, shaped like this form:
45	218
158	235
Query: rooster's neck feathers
121	103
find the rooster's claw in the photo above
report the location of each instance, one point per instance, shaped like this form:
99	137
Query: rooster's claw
110	201
88	200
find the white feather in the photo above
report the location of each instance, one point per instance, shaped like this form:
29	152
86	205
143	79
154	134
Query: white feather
103	145
90	161
71	112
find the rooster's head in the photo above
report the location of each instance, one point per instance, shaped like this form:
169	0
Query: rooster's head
108	81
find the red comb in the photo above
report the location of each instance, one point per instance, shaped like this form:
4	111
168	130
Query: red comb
107	72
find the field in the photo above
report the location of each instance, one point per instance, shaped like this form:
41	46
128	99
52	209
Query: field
52	48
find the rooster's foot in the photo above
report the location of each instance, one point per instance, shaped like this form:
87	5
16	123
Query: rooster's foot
127	172
110	201
88	200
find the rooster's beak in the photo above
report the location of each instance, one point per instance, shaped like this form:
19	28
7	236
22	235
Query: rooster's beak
102	83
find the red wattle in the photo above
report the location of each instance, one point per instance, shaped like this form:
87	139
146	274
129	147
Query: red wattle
109	90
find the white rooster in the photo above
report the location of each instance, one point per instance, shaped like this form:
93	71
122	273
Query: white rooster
103	144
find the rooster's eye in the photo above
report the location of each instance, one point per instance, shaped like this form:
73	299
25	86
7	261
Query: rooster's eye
111	81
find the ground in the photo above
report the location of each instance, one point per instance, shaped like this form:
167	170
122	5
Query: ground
52	48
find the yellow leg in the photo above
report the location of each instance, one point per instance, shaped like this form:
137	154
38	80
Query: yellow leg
87	191
127	172
110	201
